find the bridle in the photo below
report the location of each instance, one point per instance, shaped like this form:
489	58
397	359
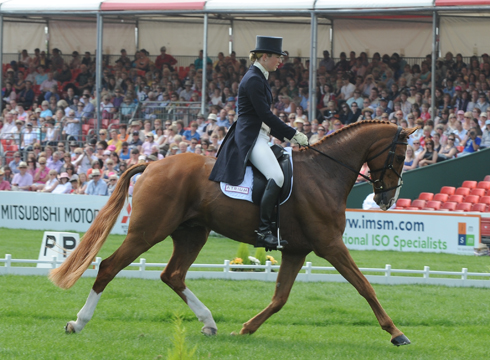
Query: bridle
378	184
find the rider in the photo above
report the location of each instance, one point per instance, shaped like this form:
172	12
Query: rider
247	139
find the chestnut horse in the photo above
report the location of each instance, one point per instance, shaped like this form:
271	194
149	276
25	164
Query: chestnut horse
174	197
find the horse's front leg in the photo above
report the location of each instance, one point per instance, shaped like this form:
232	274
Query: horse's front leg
340	258
290	266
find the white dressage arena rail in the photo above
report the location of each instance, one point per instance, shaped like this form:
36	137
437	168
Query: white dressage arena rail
267	272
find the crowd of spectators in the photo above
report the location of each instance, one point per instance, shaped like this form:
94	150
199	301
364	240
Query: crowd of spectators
46	100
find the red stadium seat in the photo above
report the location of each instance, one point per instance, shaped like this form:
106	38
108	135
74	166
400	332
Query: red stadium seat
92	122
472	199
105	123
449	206
411	208
462	191
469	184
477	192
448	190
485	200
441	197
463	207
426	196
403	203
455	198
85	128
479	207
433	205
419	204
487	178
484	185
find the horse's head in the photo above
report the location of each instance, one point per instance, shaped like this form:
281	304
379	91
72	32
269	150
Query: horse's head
385	160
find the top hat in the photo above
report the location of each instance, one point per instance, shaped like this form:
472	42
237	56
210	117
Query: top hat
269	44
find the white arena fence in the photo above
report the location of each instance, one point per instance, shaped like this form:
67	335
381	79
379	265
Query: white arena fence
267	272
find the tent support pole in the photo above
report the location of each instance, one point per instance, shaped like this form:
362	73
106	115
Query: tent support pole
204	64
137	34
312	69
98	64
433	66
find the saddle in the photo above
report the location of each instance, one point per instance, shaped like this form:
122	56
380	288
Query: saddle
254	183
259	180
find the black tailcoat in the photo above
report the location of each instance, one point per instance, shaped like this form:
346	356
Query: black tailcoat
254	108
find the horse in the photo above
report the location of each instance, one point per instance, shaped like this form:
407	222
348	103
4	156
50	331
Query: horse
173	197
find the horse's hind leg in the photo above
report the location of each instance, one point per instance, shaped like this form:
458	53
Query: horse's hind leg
290	266
188	242
340	258
133	246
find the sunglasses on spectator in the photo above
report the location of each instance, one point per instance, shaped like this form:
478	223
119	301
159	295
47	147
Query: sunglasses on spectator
416	143
321	129
452	139
43	163
100	148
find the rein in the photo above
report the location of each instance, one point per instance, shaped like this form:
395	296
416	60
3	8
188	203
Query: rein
388	165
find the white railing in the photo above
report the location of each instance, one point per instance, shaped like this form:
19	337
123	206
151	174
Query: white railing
267	272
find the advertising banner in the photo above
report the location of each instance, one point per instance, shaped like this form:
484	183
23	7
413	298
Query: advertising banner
55	212
413	231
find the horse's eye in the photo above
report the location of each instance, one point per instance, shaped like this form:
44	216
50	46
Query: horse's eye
400	158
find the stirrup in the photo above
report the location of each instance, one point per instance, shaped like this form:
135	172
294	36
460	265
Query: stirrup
268	241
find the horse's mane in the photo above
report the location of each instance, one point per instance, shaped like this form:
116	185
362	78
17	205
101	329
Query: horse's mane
343	130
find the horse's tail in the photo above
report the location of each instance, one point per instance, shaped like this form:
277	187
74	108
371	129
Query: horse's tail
79	260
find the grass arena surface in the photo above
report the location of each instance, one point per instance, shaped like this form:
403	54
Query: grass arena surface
321	320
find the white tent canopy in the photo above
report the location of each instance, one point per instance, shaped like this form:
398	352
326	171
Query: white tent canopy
405	33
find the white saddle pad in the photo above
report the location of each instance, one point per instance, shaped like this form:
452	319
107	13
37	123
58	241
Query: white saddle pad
244	190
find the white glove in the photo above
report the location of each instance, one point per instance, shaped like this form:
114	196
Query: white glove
300	139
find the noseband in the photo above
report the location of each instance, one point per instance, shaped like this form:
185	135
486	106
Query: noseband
388	165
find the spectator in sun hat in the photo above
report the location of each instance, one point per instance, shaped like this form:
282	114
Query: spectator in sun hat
136	141
367	114
111	184
96	186
148	144
64	185
187	92
23	180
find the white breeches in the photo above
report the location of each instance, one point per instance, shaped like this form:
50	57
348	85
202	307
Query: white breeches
264	160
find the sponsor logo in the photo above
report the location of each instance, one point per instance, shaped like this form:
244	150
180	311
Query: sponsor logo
465	239
125	218
237	189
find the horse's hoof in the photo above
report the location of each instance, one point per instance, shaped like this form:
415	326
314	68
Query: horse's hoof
233	333
400	340
69	328
208	331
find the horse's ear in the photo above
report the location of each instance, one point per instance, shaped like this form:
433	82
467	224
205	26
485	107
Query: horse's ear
407	132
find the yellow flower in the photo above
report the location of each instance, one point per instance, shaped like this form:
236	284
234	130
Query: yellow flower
271	259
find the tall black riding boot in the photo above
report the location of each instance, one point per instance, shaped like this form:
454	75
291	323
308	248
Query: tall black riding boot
265	237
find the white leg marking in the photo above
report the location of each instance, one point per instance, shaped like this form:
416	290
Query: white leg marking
202	312
85	314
